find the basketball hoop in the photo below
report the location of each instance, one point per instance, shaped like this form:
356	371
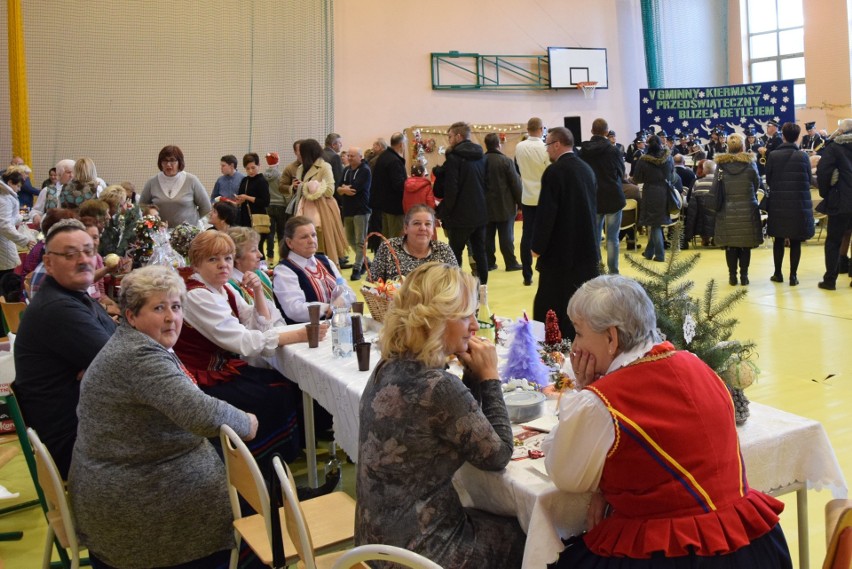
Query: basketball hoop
588	88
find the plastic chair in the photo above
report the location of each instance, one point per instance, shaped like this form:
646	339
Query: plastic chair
12	313
60	524
386	553
838	533
297	525
333	514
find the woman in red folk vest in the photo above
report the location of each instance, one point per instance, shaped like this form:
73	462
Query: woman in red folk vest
651	433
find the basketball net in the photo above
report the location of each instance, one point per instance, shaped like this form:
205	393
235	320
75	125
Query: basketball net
588	88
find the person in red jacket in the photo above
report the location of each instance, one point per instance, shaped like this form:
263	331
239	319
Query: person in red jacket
418	190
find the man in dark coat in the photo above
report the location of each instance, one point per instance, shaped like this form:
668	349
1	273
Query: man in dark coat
771	140
462	187
566	239
61	332
834	176
606	163
387	186
502	198
687	176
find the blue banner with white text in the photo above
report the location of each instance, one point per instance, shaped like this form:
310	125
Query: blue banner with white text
701	110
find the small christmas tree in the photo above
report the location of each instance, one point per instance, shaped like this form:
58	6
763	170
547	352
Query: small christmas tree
552	333
523	360
701	325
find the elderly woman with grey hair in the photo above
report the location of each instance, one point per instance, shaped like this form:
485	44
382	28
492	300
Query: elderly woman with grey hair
147	487
652	434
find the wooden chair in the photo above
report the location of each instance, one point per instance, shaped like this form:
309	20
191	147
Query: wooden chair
297	526
386	553
820	218
629	214
838	533
332	516
60	524
12	313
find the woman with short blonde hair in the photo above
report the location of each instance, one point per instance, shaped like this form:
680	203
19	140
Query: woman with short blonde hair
83	187
247	260
419	423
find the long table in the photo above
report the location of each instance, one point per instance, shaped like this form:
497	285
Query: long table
783	453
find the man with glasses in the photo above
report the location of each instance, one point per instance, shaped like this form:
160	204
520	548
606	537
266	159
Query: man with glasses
61	332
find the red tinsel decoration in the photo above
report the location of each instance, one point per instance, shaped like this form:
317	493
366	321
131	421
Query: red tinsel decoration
552	334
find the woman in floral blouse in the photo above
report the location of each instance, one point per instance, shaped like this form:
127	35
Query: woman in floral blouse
420	423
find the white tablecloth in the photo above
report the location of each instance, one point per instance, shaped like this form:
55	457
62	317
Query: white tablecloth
780	450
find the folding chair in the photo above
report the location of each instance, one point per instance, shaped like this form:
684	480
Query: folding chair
386	553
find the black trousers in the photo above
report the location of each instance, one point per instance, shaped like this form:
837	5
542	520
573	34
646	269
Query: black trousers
555	289
459	237
838	224
505	230
526	240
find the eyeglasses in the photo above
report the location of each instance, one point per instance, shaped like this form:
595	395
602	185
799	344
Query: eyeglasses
169	161
74	254
551	142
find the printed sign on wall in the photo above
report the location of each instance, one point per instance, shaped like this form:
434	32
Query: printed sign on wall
700	110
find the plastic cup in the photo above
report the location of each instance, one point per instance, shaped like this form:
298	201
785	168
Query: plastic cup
313	334
314	313
362	350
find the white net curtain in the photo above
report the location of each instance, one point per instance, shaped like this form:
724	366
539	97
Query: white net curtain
117	81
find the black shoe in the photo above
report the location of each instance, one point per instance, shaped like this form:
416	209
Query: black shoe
356	276
743	280
825	285
793	280
492	267
527	282
779	278
345	265
732	280
843	265
515	267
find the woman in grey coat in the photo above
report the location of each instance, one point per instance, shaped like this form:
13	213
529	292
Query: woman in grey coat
738	228
147	487
654	170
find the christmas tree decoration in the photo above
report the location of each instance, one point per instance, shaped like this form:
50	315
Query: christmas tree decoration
702	325
523	360
552	334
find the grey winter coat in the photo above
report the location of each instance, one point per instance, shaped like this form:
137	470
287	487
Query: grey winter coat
788	175
654	172
502	187
738	222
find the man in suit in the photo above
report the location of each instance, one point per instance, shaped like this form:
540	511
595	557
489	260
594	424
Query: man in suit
566	237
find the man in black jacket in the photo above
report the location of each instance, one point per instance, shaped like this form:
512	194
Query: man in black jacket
387	187
462	187
834	176
566	238
503	196
608	167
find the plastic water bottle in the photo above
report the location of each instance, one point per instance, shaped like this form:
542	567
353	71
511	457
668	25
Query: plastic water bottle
342	298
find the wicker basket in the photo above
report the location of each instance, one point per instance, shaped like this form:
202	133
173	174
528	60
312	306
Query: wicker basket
378	303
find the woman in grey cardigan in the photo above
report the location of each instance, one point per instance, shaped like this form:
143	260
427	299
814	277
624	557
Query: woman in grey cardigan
147	488
181	196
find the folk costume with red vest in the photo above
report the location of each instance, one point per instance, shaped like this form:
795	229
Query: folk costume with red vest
674	475
221	372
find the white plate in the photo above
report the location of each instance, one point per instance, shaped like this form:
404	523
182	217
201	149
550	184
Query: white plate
523	398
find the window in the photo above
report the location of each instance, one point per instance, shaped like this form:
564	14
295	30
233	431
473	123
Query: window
776	43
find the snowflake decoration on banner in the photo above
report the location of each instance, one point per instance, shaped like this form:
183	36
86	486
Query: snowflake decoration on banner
707	121
783	108
743	119
656	119
776	119
649	110
715	115
774	88
645	100
773	100
670	119
688	328
685	123
784	89
785	99
701	94
678	131
766	96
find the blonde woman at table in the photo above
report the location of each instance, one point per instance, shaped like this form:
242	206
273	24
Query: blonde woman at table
652	433
247	260
218	325
419	424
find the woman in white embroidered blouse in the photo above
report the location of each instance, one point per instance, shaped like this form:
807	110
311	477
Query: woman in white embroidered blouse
303	276
181	197
12	180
